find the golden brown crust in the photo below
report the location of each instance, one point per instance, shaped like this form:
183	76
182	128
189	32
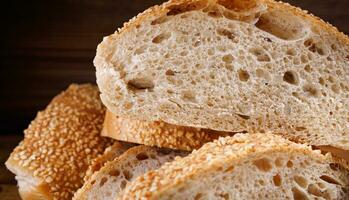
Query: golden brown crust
158	134
215	157
230	4
61	142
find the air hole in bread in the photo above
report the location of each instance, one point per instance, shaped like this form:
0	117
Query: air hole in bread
277	180
279	162
314	190
291	77
263	164
227	58
127	174
114	173
160	20
282	25
188	95
329	179
238	6
161	37
291	52
260	54
300	128
210	51
185	7
123	184
93	182
224	196
311	90
322	81
183	53
307	68
245	117
212	12
243	75
103	180
198	196
169	72
140	50
197	43
335	88
141	83
298	194
261	182
301	181
315	47
142	156
226	33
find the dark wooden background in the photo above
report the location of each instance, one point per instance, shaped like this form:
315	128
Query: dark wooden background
46	45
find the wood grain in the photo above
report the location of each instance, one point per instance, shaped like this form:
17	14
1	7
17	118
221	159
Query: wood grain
46	45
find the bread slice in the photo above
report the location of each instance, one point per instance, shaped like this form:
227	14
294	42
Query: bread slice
230	65
59	145
110	153
158	134
246	166
111	179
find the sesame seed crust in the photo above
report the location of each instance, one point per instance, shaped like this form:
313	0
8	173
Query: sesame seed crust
213	158
61	142
158	134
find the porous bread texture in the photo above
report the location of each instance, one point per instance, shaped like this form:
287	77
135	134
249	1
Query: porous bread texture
255	66
59	145
114	176
158	134
245	166
110	153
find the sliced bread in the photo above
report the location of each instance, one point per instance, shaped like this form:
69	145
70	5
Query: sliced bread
59	145
158	134
230	65
246	166
113	177
110	153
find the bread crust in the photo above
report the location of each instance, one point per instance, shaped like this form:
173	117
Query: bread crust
59	145
220	156
158	134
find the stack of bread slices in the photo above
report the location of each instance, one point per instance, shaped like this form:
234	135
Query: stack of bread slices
200	99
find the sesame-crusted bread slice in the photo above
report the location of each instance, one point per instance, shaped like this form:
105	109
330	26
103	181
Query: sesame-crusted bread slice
114	176
246	166
59	145
110	153
230	65
158	134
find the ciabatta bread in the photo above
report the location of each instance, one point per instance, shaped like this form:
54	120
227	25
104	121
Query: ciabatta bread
110	153
59	145
246	166
158	134
230	65
113	177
